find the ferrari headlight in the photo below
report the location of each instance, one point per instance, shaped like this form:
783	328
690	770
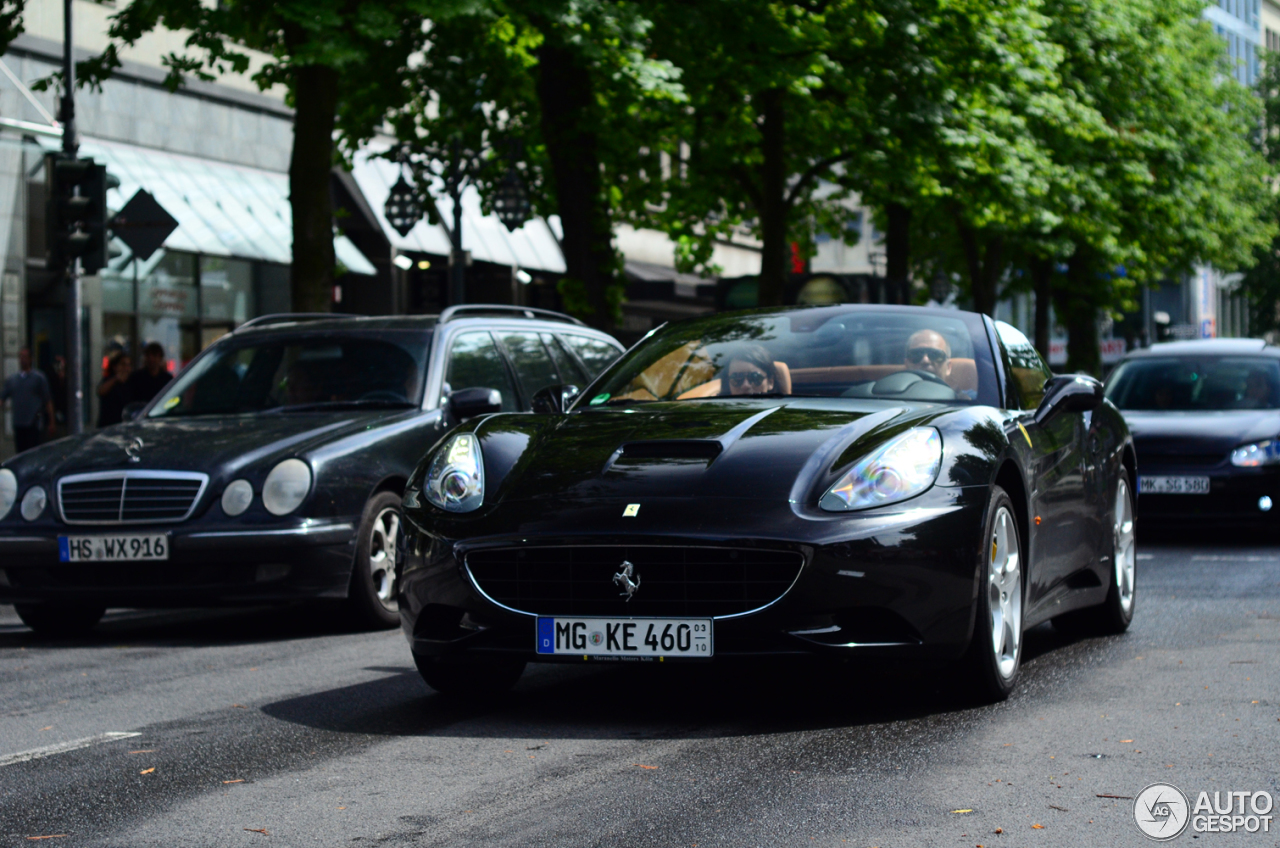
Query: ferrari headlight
33	503
455	478
286	487
1257	454
901	468
8	491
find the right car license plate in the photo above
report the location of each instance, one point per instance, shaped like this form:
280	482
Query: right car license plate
1173	485
626	637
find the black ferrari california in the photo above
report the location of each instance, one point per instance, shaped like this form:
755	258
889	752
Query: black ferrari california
878	481
1205	417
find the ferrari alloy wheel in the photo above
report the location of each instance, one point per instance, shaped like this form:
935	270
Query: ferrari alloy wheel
1115	613
54	621
1125	554
371	600
1004	594
995	654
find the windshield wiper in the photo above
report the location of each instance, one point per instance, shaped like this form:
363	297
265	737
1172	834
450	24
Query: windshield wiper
627	401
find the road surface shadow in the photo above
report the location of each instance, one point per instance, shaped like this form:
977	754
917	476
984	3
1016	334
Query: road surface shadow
187	627
668	701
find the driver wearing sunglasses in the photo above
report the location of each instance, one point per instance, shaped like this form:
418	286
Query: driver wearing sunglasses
927	350
751	372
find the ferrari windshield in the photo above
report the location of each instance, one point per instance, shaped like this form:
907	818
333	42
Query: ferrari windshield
892	353
1199	383
301	373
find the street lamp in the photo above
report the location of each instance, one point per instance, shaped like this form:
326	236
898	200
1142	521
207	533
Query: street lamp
457	167
511	201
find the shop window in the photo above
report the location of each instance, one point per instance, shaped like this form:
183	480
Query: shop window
226	290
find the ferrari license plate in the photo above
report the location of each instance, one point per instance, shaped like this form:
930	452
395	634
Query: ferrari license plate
121	547
626	637
1173	485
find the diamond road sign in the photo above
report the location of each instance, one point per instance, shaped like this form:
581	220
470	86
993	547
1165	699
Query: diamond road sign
143	224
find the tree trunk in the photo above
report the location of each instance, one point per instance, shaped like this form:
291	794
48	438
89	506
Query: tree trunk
985	264
773	210
315	90
897	246
1042	280
1079	313
569	127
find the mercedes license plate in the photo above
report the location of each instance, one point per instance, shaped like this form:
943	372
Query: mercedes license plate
1173	485
120	547
642	638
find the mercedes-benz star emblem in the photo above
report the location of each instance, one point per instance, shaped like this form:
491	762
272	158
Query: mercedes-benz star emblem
133	449
623	579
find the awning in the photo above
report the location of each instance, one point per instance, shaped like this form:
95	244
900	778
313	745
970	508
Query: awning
533	246
221	209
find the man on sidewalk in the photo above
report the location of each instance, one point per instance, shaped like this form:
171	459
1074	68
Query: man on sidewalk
147	381
27	394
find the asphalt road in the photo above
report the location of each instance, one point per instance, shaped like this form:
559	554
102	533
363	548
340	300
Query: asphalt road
262	728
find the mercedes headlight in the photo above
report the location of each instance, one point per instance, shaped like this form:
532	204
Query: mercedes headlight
901	468
286	487
455	478
237	497
33	503
1257	454
8	491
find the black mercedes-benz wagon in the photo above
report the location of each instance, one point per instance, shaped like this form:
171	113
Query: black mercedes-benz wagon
271	468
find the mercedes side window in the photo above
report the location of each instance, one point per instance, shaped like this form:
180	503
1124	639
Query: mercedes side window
595	354
1027	370
570	370
474	362
533	364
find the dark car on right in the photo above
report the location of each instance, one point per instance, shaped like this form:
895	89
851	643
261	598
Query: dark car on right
1205	418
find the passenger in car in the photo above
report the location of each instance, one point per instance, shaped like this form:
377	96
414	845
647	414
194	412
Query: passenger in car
751	371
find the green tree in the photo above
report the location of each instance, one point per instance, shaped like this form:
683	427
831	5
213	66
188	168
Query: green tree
10	22
342	61
1261	284
554	85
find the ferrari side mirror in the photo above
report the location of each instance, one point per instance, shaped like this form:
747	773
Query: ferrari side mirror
1069	393
131	411
553	400
468	403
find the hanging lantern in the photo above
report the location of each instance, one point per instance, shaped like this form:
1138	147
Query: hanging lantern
511	202
403	208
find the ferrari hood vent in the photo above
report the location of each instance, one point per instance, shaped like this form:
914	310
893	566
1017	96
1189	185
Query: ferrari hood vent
706	449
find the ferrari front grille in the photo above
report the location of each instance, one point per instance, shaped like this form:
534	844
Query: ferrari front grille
129	497
669	580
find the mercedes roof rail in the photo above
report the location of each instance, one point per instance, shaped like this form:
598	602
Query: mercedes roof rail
292	318
462	311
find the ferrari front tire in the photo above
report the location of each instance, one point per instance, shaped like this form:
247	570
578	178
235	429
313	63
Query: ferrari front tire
995	653
470	678
55	621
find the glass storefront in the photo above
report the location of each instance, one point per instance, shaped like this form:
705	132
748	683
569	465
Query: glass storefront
184	301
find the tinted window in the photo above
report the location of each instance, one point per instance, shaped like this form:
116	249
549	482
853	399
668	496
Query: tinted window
1029	372
533	364
301	372
474	362
595	354
1184	384
570	371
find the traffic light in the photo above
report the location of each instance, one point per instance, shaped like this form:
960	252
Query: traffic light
76	213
